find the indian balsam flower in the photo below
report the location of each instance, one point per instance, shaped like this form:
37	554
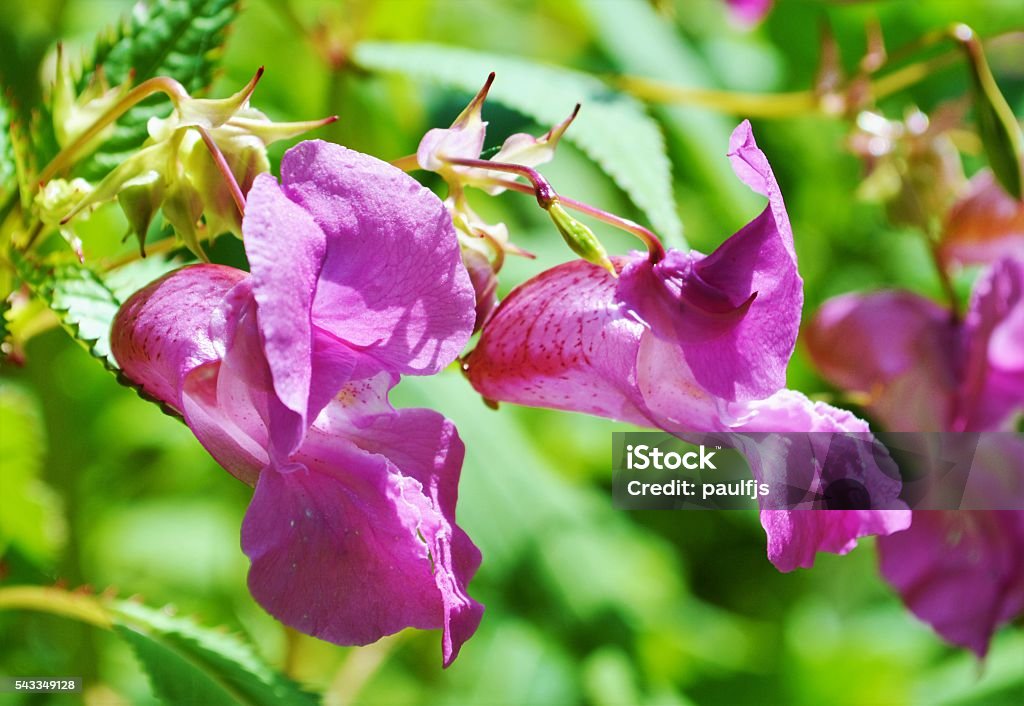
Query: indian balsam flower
283	374
916	367
680	341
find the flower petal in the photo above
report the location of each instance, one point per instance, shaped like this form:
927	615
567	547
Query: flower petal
986	224
750	12
734	314
796	536
356	539
163	331
992	388
392	284
425	446
560	341
897	347
960	572
285	248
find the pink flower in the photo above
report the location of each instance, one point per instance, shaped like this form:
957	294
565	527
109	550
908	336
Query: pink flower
689	343
750	12
961	572
283	375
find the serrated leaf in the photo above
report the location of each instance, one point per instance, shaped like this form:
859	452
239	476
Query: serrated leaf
186	662
189	664
613	129
30	513
182	39
663	54
85	302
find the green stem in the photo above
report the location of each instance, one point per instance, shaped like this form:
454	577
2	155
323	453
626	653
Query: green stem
755	105
56	601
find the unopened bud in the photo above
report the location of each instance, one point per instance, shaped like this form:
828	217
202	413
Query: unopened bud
580	238
997	126
182	208
140	199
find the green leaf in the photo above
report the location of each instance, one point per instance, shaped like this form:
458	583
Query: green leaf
700	136
30	513
188	664
182	39
8	169
85	302
612	129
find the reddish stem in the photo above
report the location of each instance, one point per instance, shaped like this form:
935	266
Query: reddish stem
546	196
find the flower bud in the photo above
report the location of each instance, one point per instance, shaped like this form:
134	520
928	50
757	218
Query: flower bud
140	199
997	126
580	238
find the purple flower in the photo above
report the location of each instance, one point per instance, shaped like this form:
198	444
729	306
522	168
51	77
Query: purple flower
283	375
921	370
750	12
688	344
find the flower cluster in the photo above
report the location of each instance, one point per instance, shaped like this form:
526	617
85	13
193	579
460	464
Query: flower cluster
283	375
196	166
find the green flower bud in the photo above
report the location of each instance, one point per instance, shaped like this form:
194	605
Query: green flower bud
997	126
140	198
580	238
182	207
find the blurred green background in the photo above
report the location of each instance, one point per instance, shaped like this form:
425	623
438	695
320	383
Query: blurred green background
585	604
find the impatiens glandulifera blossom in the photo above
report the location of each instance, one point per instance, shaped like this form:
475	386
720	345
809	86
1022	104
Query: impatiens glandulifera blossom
920	370
750	12
484	245
283	375
686	343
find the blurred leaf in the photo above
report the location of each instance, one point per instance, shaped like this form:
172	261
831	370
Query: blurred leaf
85	302
8	171
189	664
663	54
182	39
612	128
30	513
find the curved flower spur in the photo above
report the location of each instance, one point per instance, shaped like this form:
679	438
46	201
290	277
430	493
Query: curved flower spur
283	375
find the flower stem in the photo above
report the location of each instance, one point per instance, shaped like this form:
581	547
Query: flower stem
224	169
547	196
161	84
754	105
